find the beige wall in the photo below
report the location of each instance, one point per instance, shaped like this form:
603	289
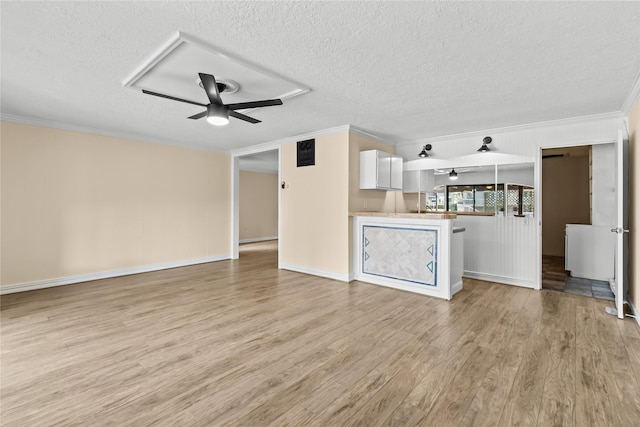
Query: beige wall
314	207
75	203
565	199
634	204
258	205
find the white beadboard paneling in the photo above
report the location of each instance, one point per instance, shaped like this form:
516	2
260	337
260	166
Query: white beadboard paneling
500	249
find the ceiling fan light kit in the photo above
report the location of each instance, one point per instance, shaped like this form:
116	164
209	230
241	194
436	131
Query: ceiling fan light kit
218	112
217	115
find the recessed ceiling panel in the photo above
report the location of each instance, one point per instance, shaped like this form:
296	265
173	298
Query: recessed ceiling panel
173	70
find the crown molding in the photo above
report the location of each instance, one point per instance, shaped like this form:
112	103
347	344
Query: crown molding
174	40
178	38
516	128
272	145
366	134
632	97
95	131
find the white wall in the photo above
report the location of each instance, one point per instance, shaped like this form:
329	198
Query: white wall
524	141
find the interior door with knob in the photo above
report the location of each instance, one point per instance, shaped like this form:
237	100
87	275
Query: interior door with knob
619	286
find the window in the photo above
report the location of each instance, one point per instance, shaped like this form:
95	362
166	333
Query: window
489	198
519	200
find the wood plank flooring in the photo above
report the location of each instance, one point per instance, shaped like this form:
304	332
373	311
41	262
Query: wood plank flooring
241	343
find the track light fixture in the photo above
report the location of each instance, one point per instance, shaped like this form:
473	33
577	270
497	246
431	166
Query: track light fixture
453	175
486	140
424	152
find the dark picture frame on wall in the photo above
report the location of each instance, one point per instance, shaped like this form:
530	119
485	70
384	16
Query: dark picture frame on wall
307	152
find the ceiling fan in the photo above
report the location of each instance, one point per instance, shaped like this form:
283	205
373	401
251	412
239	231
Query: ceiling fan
217	112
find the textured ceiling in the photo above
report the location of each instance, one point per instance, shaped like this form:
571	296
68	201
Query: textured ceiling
401	70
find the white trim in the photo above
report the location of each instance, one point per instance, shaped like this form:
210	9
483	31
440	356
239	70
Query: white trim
279	207
258	239
178	37
50	124
632	97
68	280
267	146
366	134
235	207
315	272
174	40
516	128
455	288
635	311
499	279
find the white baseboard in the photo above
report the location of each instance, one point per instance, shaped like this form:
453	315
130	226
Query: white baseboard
314	272
499	279
258	239
68	280
456	288
635	311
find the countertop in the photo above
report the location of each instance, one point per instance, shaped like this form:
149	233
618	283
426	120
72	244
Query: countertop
463	213
431	215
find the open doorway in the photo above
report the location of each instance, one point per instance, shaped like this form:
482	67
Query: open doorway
577	245
258	205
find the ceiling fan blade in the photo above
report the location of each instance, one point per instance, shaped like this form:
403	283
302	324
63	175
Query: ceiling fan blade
254	104
198	116
211	87
243	117
148	92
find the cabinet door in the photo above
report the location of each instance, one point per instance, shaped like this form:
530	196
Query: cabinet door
410	181
396	173
427	181
421	181
368	170
384	170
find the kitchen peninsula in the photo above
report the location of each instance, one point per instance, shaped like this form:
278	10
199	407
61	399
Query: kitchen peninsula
421	253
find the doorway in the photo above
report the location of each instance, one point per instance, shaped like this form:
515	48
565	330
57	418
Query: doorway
576	257
257	209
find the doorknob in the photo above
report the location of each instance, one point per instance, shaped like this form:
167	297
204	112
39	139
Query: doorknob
619	230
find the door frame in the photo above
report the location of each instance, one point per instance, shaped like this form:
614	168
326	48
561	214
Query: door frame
622	220
537	179
235	194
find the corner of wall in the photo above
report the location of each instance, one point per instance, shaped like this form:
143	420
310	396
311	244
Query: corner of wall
634	203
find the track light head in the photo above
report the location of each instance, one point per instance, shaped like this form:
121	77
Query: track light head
486	140
424	153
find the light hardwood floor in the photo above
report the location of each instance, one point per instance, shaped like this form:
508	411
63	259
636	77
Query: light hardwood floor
242	343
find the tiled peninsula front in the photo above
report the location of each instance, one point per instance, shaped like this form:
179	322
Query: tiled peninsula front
421	253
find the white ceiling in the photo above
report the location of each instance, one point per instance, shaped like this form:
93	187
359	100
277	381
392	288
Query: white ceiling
400	70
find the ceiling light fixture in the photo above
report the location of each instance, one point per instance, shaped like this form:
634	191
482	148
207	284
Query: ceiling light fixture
217	115
486	140
453	175
424	152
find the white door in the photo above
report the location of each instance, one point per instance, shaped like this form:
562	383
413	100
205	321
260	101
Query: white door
619	286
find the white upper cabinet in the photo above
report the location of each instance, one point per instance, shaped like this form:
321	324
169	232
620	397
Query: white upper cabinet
380	171
418	181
